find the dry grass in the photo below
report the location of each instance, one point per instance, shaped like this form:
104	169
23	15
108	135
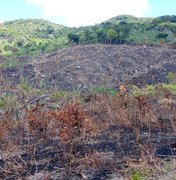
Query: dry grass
103	135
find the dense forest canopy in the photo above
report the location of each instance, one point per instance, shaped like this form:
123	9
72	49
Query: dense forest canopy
33	36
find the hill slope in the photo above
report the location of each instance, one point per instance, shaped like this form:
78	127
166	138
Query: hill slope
46	133
82	67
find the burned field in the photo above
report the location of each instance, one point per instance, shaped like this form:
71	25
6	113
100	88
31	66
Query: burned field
99	137
52	126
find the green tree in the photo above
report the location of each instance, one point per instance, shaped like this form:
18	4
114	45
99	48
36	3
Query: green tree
111	35
74	38
93	37
7	47
19	43
101	35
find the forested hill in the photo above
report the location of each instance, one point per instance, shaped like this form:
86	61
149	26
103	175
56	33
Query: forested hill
33	36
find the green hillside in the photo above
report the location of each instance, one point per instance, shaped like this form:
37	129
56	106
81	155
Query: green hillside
33	36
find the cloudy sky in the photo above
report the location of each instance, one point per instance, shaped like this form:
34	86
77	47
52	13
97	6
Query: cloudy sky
83	12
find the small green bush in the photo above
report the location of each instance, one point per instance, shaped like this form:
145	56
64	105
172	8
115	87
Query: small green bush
58	94
9	64
171	87
171	77
104	90
136	176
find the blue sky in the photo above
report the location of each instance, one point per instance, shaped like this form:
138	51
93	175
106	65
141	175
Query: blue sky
161	7
83	12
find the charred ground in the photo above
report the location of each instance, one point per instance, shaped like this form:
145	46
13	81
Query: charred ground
47	131
83	67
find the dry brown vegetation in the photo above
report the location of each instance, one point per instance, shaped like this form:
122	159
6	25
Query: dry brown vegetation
100	137
46	133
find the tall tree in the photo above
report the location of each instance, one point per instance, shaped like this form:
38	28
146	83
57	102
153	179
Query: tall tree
111	35
74	38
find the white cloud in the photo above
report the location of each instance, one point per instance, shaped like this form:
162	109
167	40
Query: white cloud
89	12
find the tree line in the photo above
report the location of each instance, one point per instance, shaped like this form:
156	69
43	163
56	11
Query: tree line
33	36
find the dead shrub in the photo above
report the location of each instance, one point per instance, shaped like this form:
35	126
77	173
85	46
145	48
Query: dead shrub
68	122
72	118
36	120
3	129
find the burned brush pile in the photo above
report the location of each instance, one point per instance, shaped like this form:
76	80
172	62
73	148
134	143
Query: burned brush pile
97	137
